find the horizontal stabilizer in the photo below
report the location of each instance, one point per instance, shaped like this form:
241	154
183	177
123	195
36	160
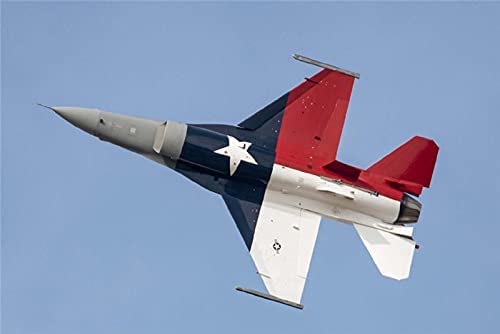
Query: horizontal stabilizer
410	166
391	253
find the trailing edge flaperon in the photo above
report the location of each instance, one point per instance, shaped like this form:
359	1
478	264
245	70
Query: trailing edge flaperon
278	174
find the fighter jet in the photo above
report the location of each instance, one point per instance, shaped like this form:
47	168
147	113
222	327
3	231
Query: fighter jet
278	173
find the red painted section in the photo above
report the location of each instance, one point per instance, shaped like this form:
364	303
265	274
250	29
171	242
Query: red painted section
347	171
409	168
313	121
310	135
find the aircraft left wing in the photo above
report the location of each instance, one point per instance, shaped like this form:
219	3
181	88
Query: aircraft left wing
282	246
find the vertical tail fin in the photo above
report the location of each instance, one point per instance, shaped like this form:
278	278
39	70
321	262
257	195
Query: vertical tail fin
410	166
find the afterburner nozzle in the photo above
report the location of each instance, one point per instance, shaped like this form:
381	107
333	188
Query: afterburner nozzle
409	210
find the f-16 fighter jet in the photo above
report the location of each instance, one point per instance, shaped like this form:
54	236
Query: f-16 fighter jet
278	173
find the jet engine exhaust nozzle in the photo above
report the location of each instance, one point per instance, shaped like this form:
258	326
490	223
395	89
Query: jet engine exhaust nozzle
409	210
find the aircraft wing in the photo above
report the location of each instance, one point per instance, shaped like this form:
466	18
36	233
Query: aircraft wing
282	245
306	123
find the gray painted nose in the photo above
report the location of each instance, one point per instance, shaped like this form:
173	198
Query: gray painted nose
83	118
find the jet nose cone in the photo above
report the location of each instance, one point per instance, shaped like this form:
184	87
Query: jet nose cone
83	118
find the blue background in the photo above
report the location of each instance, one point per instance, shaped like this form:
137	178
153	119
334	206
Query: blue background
99	240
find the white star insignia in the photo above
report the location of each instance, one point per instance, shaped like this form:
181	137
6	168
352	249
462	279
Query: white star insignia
237	151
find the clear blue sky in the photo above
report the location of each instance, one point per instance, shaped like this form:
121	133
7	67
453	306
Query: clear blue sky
99	240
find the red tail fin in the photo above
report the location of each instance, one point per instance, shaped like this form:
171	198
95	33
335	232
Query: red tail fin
410	166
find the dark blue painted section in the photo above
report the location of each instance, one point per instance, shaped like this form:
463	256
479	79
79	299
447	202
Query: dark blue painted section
262	116
243	192
262	128
199	148
245	215
242	197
